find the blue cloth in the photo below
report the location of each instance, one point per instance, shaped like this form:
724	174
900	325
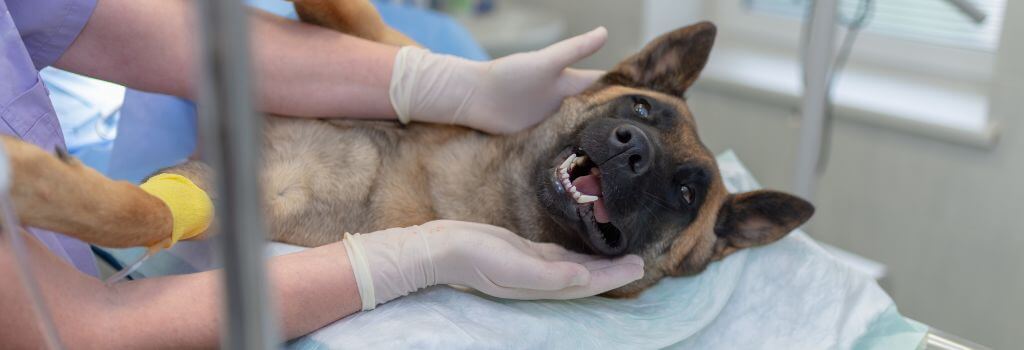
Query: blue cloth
33	35
155	131
88	110
433	30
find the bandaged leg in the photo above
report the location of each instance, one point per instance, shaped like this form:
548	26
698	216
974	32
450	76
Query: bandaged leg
190	206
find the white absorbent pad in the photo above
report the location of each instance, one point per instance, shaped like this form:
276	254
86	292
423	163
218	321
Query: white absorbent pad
788	295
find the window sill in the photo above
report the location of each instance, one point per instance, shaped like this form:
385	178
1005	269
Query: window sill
940	111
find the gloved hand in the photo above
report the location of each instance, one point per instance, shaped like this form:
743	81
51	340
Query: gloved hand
395	262
499	96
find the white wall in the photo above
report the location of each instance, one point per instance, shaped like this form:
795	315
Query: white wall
622	18
630	23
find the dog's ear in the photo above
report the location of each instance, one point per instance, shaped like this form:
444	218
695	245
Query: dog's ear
668	64
756	218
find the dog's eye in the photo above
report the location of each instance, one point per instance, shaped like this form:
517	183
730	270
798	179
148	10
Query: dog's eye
642	109
686	193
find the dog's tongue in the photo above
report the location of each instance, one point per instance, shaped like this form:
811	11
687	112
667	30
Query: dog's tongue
591	185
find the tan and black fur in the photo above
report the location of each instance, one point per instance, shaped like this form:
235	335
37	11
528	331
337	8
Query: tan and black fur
324	178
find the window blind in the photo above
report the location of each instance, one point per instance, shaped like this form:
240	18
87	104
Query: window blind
930	21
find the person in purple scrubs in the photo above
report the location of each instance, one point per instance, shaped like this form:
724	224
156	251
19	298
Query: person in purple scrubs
149	45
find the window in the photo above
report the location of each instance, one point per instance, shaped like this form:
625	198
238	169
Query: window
936	22
920	66
929	38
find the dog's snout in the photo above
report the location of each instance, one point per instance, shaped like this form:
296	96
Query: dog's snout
634	147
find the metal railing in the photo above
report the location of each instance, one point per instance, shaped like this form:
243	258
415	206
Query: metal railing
231	137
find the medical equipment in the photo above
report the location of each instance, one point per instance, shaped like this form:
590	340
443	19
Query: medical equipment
134	266
969	9
11	231
233	134
820	70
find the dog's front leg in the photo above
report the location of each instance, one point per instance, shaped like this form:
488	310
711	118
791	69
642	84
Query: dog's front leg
58	193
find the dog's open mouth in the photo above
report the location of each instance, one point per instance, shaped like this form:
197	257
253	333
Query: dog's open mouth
580	180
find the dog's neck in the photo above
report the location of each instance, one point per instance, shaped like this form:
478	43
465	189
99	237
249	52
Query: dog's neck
492	179
524	153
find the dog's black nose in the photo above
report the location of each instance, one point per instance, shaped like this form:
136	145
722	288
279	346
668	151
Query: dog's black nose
633	148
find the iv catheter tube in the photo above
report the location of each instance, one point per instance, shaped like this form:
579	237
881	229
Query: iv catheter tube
231	138
11	231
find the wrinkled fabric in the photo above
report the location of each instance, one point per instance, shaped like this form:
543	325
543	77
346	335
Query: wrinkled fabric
788	295
88	110
33	35
47	27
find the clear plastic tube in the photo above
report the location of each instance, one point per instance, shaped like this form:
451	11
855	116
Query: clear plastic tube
11	229
120	275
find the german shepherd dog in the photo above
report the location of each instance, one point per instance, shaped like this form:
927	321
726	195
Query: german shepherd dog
618	169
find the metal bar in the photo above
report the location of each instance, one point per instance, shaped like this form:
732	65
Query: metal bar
231	134
969	9
817	68
937	339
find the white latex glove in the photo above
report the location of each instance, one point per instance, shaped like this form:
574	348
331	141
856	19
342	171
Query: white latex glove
394	262
499	96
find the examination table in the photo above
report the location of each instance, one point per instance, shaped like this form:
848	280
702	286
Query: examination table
790	294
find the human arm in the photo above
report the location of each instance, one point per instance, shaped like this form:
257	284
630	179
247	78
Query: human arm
308	71
310	288
301	70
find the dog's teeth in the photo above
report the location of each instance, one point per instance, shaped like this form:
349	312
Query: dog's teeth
562	174
565	164
579	161
568	185
576	195
586	198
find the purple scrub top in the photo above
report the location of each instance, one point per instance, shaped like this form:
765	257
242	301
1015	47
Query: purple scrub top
33	35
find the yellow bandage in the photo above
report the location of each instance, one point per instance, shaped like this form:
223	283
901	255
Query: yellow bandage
190	207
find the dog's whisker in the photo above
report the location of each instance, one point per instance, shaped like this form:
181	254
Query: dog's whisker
656	199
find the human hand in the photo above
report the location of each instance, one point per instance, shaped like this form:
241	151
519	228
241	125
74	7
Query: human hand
504	95
395	262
